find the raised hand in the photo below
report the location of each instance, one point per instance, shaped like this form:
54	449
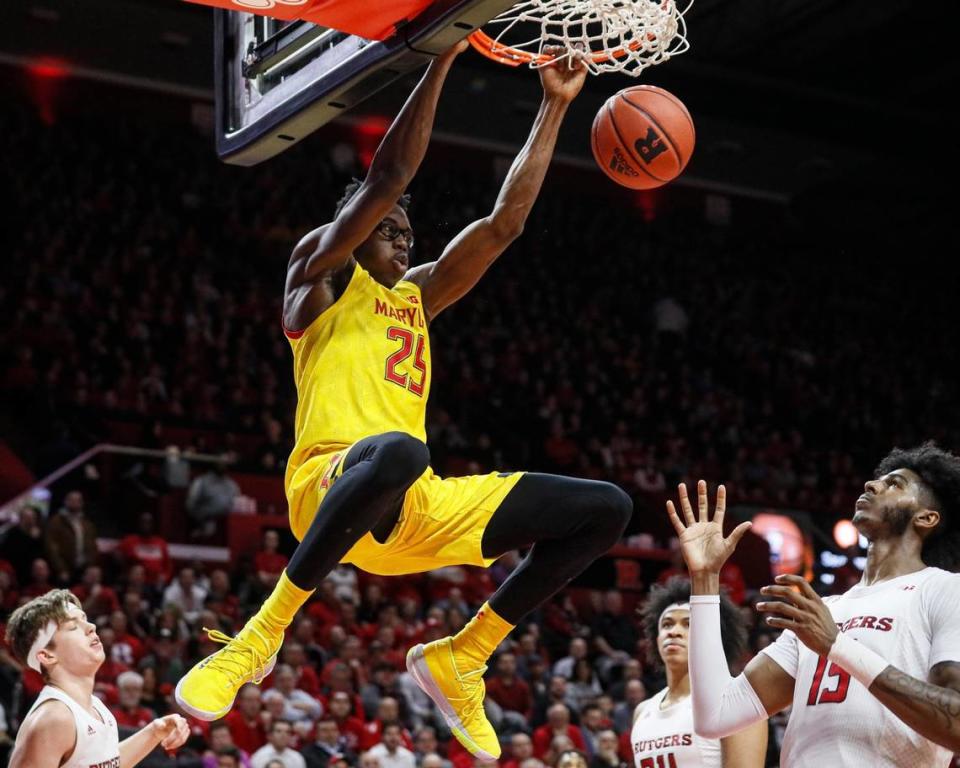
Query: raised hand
702	544
563	78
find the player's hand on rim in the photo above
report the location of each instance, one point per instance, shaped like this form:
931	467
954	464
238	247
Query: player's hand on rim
702	544
454	50
798	608
564	76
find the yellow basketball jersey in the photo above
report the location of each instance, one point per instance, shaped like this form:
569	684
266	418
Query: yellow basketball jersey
361	368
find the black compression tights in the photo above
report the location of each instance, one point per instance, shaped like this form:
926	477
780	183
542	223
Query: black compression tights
569	522
367	496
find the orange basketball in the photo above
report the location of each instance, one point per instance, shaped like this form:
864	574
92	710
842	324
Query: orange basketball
642	137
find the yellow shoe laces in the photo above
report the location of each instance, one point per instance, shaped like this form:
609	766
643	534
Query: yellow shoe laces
469	683
239	659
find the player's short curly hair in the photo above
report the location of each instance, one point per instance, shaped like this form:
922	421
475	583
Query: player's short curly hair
351	189
939	470
677	590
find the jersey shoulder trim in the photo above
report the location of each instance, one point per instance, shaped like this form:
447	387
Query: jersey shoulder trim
294	335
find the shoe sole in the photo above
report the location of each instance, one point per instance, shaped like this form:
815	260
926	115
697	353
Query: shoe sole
417	667
201	714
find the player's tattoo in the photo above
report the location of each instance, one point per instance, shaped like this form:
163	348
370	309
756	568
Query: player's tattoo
942	703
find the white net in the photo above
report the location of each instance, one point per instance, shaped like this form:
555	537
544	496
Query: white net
616	35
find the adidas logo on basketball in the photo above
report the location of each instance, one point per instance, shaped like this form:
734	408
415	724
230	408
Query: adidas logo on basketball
619	164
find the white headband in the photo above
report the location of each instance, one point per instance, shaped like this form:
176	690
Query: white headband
673	607
45	635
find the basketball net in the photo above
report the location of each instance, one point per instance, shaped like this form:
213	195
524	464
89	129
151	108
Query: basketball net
615	35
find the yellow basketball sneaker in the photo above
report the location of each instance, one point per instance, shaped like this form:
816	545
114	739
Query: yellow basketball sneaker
207	691
458	692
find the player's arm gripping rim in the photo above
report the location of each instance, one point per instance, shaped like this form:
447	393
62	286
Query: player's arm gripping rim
393	167
471	253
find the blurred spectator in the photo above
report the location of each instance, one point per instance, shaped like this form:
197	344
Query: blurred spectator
219	742
521	750
24	543
111	669
164	658
227	757
268	561
186	594
635	692
148	549
97	600
39	583
130	711
585	686
278	748
390	751
350	727
578	651
300	708
220	598
388	713
591	724
211	498
327	745
245	720
558	724
71	539
384	682
607	754
615	634
510	691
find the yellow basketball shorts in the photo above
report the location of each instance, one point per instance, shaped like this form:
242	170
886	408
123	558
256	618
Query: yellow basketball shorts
441	523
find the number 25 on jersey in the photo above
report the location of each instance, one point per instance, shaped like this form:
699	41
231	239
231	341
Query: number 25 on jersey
410	344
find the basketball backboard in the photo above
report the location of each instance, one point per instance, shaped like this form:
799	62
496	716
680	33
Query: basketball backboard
276	81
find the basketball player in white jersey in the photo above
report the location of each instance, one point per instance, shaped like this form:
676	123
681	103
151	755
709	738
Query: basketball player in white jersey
662	734
872	676
69	727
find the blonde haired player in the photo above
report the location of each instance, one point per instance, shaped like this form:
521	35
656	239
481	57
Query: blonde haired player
662	735
358	482
69	727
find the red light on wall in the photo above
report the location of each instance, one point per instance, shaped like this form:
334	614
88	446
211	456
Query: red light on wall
48	69
646	200
367	135
45	76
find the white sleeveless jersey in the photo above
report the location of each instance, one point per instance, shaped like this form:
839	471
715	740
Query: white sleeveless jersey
913	622
664	738
97	740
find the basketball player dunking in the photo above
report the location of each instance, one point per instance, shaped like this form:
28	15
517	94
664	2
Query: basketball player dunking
69	727
358	482
872	676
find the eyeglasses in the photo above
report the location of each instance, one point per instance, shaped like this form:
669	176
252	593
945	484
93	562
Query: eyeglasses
390	231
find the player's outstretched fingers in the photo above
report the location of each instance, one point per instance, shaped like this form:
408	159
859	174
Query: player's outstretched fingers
675	519
685	505
703	502
721	507
737	533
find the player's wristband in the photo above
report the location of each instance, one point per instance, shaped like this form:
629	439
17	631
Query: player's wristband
862	663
